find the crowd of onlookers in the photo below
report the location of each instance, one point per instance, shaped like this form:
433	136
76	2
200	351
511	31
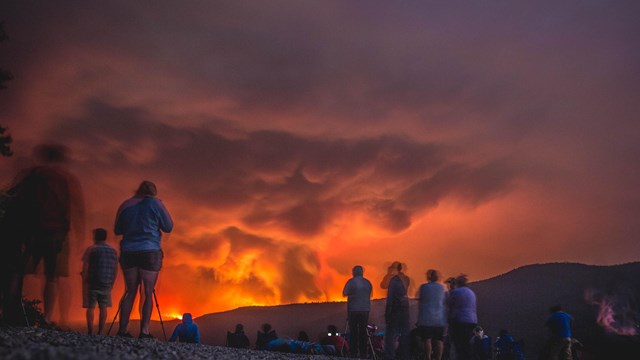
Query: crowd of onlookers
446	327
45	203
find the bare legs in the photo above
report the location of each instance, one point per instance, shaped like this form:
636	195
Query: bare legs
102	320
133	277
90	321
149	281
433	346
50	293
131	282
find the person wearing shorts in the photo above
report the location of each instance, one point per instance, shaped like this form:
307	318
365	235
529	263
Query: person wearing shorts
51	220
141	220
99	270
432	315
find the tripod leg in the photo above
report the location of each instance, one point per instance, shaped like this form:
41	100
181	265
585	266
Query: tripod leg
116	315
159	314
373	352
24	312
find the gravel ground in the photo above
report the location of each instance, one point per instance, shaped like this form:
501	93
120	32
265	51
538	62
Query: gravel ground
33	343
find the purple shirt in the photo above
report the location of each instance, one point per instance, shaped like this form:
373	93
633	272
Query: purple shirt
462	306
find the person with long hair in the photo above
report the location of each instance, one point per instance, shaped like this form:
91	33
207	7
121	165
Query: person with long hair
141	220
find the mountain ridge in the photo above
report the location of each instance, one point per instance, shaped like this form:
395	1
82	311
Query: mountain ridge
517	300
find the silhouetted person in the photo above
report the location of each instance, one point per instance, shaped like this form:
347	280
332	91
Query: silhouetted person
451	283
395	269
560	325
265	336
187	331
463	317
336	340
238	339
141	221
506	348
14	230
396	313
52	206
480	345
302	336
99	270
432	315
358	292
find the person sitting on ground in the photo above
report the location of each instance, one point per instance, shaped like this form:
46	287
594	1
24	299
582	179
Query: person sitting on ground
506	348
480	345
187	331
302	336
334	339
99	270
265	336
238	339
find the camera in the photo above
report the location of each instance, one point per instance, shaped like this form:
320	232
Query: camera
371	329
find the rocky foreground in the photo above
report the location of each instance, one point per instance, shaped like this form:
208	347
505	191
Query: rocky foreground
33	343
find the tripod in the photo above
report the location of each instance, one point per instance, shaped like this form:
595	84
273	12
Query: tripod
369	334
157	307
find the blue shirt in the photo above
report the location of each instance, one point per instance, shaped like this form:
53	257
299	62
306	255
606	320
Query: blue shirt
140	221
187	332
560	324
431	305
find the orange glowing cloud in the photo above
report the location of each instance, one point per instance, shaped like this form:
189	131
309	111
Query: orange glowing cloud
290	146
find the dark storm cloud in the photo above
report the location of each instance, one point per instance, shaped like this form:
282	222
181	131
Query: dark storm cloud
284	180
470	184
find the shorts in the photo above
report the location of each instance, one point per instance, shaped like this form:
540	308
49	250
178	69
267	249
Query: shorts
53	249
431	333
100	296
145	260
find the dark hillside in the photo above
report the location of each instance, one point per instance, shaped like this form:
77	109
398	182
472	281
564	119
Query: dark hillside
517	300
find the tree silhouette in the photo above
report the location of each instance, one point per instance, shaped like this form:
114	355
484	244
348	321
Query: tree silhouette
5	138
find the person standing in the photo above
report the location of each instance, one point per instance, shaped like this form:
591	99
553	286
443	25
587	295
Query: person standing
432	315
560	325
141	220
396	313
358	292
99	270
52	210
463	317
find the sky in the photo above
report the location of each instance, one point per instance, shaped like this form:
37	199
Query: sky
292	140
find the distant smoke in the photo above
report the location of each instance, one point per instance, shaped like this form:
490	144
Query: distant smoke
616	313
